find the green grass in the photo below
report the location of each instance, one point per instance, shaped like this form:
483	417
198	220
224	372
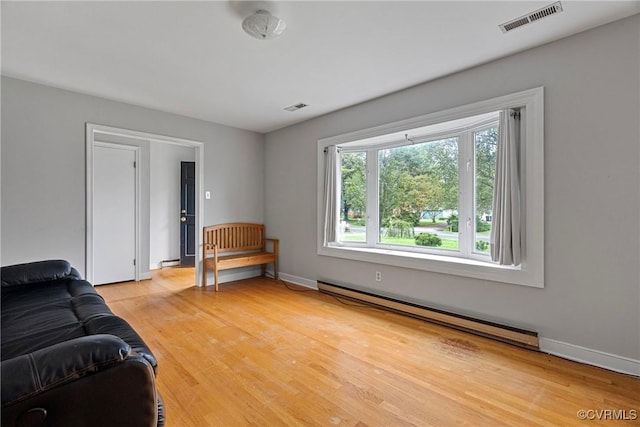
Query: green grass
450	244
407	241
446	243
353	238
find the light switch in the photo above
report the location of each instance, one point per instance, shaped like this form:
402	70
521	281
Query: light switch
207	195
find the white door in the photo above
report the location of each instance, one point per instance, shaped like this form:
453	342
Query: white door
114	214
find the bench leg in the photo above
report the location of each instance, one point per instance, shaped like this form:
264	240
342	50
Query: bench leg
275	269
215	277
204	274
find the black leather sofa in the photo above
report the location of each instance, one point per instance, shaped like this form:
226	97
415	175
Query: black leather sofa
66	359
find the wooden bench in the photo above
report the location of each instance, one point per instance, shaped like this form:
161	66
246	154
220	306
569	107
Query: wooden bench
246	241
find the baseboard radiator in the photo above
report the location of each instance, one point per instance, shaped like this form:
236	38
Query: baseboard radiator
508	334
170	263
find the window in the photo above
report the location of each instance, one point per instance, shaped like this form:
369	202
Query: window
485	144
419	193
353	196
415	203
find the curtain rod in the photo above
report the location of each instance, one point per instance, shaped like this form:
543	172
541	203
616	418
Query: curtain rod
326	148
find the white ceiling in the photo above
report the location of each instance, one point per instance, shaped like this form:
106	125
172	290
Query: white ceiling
192	58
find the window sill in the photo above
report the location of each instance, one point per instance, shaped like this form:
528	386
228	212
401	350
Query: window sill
439	264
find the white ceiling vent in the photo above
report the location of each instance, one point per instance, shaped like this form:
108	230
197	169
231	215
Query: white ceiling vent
552	9
296	107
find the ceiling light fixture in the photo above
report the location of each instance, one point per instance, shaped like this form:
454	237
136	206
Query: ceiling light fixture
263	25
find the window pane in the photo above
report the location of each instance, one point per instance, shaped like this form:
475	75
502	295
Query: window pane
353	195
418	190
486	143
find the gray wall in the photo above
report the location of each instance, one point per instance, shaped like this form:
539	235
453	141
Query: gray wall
43	167
592	161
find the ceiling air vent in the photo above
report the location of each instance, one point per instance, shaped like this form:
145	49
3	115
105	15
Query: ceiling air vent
552	9
296	107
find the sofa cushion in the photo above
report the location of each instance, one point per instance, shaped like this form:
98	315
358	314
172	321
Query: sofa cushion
34	320
35	316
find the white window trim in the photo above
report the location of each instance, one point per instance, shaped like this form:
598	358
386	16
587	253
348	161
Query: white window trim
531	271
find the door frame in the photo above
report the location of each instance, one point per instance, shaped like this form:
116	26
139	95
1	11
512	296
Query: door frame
136	189
93	130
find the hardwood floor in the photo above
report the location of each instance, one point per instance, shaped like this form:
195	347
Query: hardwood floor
259	354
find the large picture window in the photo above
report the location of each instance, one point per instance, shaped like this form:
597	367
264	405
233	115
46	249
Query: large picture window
429	192
416	203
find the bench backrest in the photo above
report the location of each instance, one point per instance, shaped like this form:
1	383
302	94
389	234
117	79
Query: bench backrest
233	237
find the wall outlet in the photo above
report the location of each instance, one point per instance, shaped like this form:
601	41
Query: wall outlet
378	276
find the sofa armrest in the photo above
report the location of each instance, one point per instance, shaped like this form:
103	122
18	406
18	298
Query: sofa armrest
42	370
90	381
36	272
114	325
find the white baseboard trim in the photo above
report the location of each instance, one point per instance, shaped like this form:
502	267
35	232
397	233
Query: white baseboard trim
589	356
145	275
224	277
230	277
297	280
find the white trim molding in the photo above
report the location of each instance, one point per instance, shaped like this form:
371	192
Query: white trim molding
589	356
301	281
228	276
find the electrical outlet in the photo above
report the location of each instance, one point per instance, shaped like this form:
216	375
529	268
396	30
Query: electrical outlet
378	276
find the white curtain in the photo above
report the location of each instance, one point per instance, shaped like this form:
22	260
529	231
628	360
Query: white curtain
506	221
331	183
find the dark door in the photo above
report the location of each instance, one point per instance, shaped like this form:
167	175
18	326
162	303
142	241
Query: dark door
187	214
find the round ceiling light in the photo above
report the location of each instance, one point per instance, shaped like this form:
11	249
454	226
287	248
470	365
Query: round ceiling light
263	25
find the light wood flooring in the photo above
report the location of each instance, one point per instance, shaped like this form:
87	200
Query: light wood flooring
259	354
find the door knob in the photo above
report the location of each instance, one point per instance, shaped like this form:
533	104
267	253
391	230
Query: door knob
183	219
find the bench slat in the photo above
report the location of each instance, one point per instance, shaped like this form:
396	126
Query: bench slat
242	260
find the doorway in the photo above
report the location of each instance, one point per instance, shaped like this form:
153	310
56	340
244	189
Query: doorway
114	222
187	214
96	134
